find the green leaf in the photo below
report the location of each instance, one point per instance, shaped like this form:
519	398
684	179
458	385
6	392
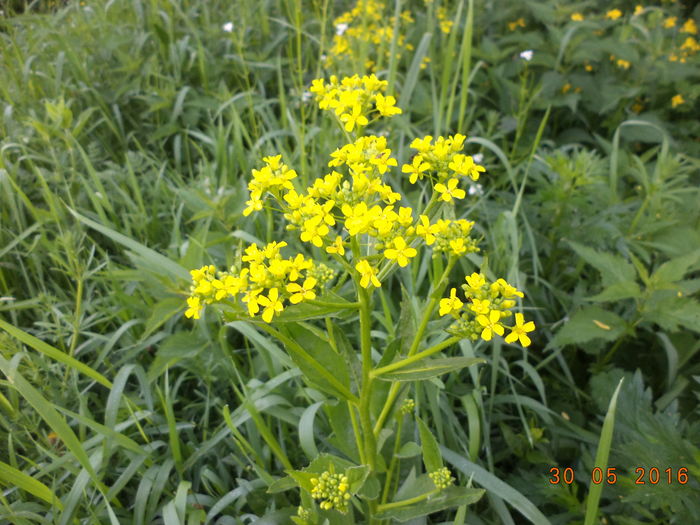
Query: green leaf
305	311
409	449
675	269
153	260
54	353
431	451
617	292
371	489
445	499
601	458
670	312
613	269
495	487
282	485
318	354
357	477
177	347
161	312
587	324
12	477
428	368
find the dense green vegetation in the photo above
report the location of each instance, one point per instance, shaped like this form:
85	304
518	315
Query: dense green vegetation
130	129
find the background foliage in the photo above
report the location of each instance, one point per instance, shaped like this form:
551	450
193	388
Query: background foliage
129	129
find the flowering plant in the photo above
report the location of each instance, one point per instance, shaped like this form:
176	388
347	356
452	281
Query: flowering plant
360	235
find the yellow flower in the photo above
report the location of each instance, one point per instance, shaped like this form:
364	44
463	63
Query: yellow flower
451	191
313	231
426	230
457	246
670	22
677	100
254	204
465	165
577	17
475	281
638	10
479	306
337	246
194	308
367	274
271	303
416	169
450	305
386	105
490	324
613	14
230	285
624	64
690	27
251	299
519	331
356	118
401	252
302	292
512	26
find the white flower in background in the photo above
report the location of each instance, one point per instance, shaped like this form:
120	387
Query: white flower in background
478	157
228	27
306	96
340	29
476	189
527	54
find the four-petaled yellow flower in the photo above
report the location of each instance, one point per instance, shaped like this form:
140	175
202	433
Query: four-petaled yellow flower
577	17
367	274
426	230
670	22
314	230
400	252
386	105
519	331
490	324
480	307
230	285
271	304
613	14
451	305
254	204
416	169
194	308
475	281
356	118
451	191
337	246
302	292
677	100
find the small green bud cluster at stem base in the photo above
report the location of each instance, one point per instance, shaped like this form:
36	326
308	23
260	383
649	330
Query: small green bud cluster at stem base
333	490
442	478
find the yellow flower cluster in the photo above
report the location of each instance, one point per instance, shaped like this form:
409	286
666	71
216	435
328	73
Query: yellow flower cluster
442	478
366	23
354	99
443	20
613	14
444	163
265	282
272	177
515	24
488	304
333	490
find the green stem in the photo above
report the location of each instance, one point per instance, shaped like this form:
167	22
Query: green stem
370	444
406	502
394	461
356	431
395	387
415	358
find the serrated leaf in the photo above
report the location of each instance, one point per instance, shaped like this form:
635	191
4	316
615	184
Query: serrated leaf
674	311
675	269
446	499
431	451
613	269
617	292
585	325
428	368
